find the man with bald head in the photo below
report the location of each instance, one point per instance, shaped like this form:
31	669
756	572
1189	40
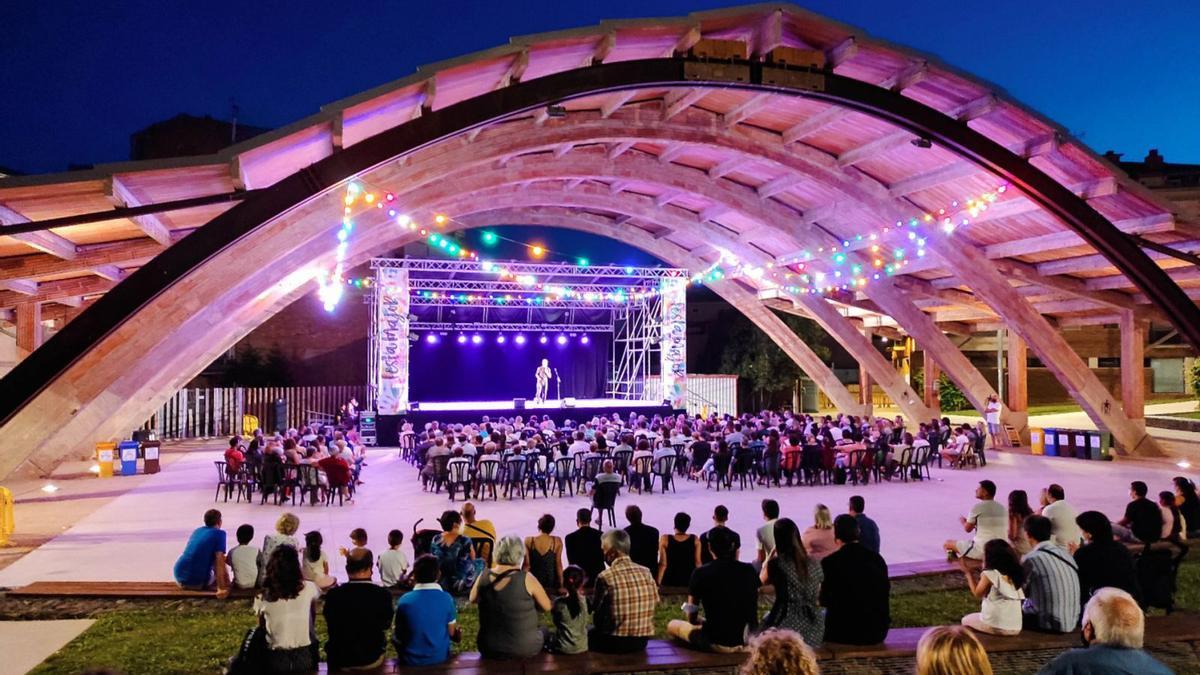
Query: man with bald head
359	615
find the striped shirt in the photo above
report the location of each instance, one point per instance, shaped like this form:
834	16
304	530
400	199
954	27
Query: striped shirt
1052	588
625	598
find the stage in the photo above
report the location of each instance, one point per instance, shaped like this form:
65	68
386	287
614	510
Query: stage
462	412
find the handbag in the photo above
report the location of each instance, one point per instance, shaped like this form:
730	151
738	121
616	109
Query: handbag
252	655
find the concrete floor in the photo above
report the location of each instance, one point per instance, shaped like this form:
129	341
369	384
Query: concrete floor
25	644
137	535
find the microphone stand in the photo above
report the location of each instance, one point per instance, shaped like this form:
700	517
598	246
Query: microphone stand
558	384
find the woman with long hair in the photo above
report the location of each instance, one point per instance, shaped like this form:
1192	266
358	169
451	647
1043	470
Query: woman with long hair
1018	511
797	580
999	587
570	614
1172	528
951	650
1189	505
456	556
1103	562
780	652
287	610
818	539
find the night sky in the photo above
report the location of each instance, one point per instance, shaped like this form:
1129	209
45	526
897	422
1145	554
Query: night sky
78	76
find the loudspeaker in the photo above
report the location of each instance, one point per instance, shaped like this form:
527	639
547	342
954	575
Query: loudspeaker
519	403
568	402
414	405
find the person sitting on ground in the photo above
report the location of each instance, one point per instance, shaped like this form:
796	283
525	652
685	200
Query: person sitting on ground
727	590
779	652
951	650
643	540
1018	510
624	600
454	554
509	602
287	608
284	535
358	540
818	538
1062	515
999	586
426	618
543	555
1103	562
393	564
797	581
358	615
201	566
1051	581
868	531
570	614
583	547
988	519
1114	630
1142	523
1172	527
765	535
482	534
720	517
678	554
1189	506
856	590
243	559
314	564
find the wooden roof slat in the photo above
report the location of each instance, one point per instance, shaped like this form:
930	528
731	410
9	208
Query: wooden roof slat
46	241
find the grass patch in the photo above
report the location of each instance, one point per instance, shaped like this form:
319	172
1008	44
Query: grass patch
1193	415
174	638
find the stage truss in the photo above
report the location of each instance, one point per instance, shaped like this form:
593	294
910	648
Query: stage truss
644	309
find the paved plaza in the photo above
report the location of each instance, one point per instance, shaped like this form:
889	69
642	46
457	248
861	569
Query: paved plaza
138	535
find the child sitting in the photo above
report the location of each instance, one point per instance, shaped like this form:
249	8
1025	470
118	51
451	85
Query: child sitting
393	564
314	565
358	537
243	559
571	616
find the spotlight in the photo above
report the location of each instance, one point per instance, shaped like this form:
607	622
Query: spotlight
584	340
500	339
49	488
413	337
556	111
562	339
431	339
922	142
542	339
476	339
520	339
462	339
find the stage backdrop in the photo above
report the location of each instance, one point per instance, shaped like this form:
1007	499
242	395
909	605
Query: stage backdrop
449	371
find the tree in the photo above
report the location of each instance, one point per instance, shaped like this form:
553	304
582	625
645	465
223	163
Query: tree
755	358
1196	377
950	397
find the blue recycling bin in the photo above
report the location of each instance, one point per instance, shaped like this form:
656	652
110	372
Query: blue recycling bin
129	457
1051	442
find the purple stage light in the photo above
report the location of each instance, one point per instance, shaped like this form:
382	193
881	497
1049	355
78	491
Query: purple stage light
431	339
462	339
520	339
500	339
562	339
584	340
476	339
542	339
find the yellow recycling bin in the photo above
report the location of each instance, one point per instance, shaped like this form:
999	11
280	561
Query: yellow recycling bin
1037	441
249	425
6	515
106	454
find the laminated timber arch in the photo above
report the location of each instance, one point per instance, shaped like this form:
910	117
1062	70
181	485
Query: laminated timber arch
753	156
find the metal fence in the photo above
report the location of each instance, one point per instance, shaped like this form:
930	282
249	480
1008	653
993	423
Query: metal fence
212	412
706	394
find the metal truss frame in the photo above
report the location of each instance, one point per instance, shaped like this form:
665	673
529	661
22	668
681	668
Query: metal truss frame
636	344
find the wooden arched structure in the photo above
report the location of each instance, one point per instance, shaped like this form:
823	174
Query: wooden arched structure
748	134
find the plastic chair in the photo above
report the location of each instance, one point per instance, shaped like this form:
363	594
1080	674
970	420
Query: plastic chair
604	500
487	474
459	476
664	470
721	465
224	481
587	472
514	476
308	479
564	474
642	474
743	469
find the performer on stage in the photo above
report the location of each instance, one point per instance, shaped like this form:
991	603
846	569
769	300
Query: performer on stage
542	375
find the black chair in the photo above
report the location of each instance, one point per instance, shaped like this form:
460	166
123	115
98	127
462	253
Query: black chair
440	474
564	474
604	500
535	473
621	461
790	466
664	470
487	474
720	471
224	482
269	478
408	446
514	476
812	464
921	459
335	490
858	470
905	466
743	469
459	477
587	471
642	477
289	483
308	483
700	456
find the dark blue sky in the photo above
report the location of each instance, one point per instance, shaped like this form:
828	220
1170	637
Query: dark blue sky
77	77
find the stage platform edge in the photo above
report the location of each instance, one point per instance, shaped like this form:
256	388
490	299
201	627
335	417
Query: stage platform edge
463	412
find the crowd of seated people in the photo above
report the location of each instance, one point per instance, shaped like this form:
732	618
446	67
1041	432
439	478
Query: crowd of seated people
262	464
841	597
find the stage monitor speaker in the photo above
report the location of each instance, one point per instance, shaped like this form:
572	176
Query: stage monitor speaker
414	405
568	402
518	404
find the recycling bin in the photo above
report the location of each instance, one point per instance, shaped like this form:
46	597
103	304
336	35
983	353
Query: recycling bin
1066	442
1050	441
1037	441
128	451
150	451
106	453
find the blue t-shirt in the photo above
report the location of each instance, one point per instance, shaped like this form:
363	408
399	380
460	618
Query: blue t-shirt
421	618
868	532
1104	660
195	566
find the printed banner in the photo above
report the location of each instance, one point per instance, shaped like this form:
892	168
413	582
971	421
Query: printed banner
391	336
674	342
